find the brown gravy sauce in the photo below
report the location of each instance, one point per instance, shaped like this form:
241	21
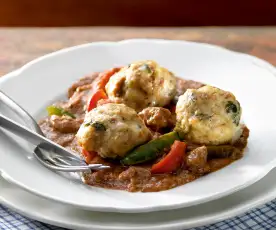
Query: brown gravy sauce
133	178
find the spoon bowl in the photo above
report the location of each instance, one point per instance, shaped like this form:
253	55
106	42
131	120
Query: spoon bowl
48	153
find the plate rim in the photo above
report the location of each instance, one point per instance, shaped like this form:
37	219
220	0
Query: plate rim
256	61
38	216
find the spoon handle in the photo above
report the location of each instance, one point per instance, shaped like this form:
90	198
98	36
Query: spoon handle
23	114
34	137
27	118
70	161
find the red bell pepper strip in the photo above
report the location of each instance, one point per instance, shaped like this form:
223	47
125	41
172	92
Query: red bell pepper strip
172	160
96	96
103	78
88	155
98	88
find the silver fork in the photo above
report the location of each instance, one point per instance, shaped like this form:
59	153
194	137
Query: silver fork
47	152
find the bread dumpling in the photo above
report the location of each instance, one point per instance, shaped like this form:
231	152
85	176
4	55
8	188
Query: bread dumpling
142	84
112	130
208	115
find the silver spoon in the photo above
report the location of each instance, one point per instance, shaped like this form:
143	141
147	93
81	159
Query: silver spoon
47	152
29	120
22	113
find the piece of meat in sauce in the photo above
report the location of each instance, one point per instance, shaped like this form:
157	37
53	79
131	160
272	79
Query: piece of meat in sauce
136	176
182	85
197	161
242	141
63	139
82	82
78	95
157	118
65	124
77	103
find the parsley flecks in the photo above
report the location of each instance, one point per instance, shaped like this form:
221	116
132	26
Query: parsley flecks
231	107
234	110
97	125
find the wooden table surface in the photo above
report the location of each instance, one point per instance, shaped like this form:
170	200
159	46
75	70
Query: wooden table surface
20	45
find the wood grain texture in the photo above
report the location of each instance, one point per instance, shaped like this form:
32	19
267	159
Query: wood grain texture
19	46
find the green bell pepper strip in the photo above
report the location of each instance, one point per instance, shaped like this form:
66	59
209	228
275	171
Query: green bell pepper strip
54	110
150	150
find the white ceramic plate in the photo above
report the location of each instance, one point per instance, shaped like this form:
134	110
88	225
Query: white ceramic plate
47	78
67	216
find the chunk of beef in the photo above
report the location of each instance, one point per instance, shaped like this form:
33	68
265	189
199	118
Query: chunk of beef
157	117
65	124
63	139
137	177
82	82
182	85
197	161
135	172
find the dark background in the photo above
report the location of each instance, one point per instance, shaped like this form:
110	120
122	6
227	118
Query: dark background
137	12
